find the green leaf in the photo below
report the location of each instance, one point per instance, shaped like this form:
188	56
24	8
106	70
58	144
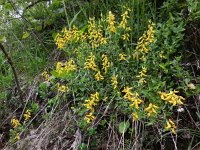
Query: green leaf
2	38
74	19
39	28
25	35
123	126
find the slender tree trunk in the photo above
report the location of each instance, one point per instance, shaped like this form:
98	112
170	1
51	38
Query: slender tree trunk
14	72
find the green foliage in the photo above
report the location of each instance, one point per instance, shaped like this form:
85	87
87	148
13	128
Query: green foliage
82	146
194	11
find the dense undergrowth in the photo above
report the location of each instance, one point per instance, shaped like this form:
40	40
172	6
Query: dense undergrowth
100	75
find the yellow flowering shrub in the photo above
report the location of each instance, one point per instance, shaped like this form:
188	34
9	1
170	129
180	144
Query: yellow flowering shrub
127	72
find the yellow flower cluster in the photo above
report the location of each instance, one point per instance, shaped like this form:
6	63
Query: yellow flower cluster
90	63
161	55
170	125
141	75
95	35
98	76
111	22
27	115
122	56
135	116
67	36
46	76
106	63
123	23
133	97
62	88
172	98
150	32
17	137
62	68
151	109
126	37
146	38
114	81
90	104
15	122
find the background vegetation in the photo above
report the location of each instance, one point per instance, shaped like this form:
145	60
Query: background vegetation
63	101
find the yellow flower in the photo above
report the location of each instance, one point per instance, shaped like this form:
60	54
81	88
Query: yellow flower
122	56
95	97
133	97
172	98
15	122
60	42
95	35
135	102
151	109
98	76
150	32
128	93
89	117
146	38
142	80
90	63
142	73
27	115
135	116
17	137
70	65
62	88
123	23
106	63
64	68
46	76
67	36
114	81
126	37
170	125
90	104
111	22
161	54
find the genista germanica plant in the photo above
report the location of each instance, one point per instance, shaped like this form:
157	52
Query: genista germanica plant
101	68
